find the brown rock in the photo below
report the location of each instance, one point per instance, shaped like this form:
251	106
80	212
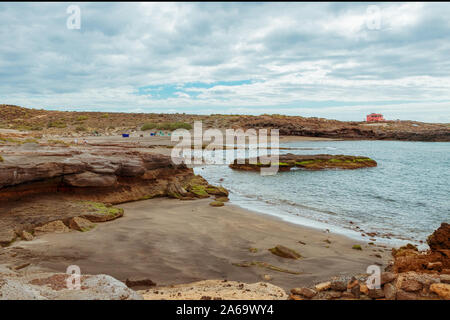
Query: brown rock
332	295
295	297
441	289
217	191
387	277
323	286
440	239
376	293
352	283
305	292
356	291
25	235
363	289
390	291
347	295
216	204
56	226
81	224
338	285
267	277
285	252
411	285
7	237
139	282
103	214
403	295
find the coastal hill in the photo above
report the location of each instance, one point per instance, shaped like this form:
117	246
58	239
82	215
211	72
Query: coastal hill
68	123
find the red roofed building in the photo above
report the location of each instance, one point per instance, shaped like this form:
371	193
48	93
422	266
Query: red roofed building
374	117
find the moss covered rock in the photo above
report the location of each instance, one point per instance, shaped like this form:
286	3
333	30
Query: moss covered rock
216	204
99	212
285	252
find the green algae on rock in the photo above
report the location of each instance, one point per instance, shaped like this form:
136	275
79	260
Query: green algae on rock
99	212
285	252
216	204
307	162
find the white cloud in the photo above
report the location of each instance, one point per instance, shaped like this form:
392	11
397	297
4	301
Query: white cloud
293	53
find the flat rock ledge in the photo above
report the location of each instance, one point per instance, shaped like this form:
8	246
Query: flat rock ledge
308	162
108	174
53	286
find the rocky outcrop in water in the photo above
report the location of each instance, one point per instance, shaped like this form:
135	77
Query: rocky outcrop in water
309	162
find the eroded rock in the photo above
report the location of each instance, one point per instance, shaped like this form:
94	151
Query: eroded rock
52	227
285	252
81	224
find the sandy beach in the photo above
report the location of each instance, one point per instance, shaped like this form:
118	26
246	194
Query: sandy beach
176	242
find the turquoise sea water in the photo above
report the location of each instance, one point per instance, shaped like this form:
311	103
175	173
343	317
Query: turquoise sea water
404	198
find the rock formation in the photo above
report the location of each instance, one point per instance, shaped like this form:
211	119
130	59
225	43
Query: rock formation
97	173
413	275
307	162
56	184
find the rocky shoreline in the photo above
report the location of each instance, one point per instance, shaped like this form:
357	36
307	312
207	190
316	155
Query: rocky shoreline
412	275
75	186
49	189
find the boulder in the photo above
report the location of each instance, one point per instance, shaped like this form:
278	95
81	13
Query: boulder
217	191
81	224
441	289
403	295
216	204
329	295
25	235
285	252
323	286
440	239
411	285
7	237
56	226
338	285
99	212
390	291
139	282
387	277
356	290
364	289
376	293
305	292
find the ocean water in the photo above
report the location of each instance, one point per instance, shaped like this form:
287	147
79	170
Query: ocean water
404	199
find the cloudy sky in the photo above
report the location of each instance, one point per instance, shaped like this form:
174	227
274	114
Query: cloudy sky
332	60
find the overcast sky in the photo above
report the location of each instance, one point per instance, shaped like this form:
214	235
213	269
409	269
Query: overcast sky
333	60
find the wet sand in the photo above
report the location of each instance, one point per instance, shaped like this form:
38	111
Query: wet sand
176	242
